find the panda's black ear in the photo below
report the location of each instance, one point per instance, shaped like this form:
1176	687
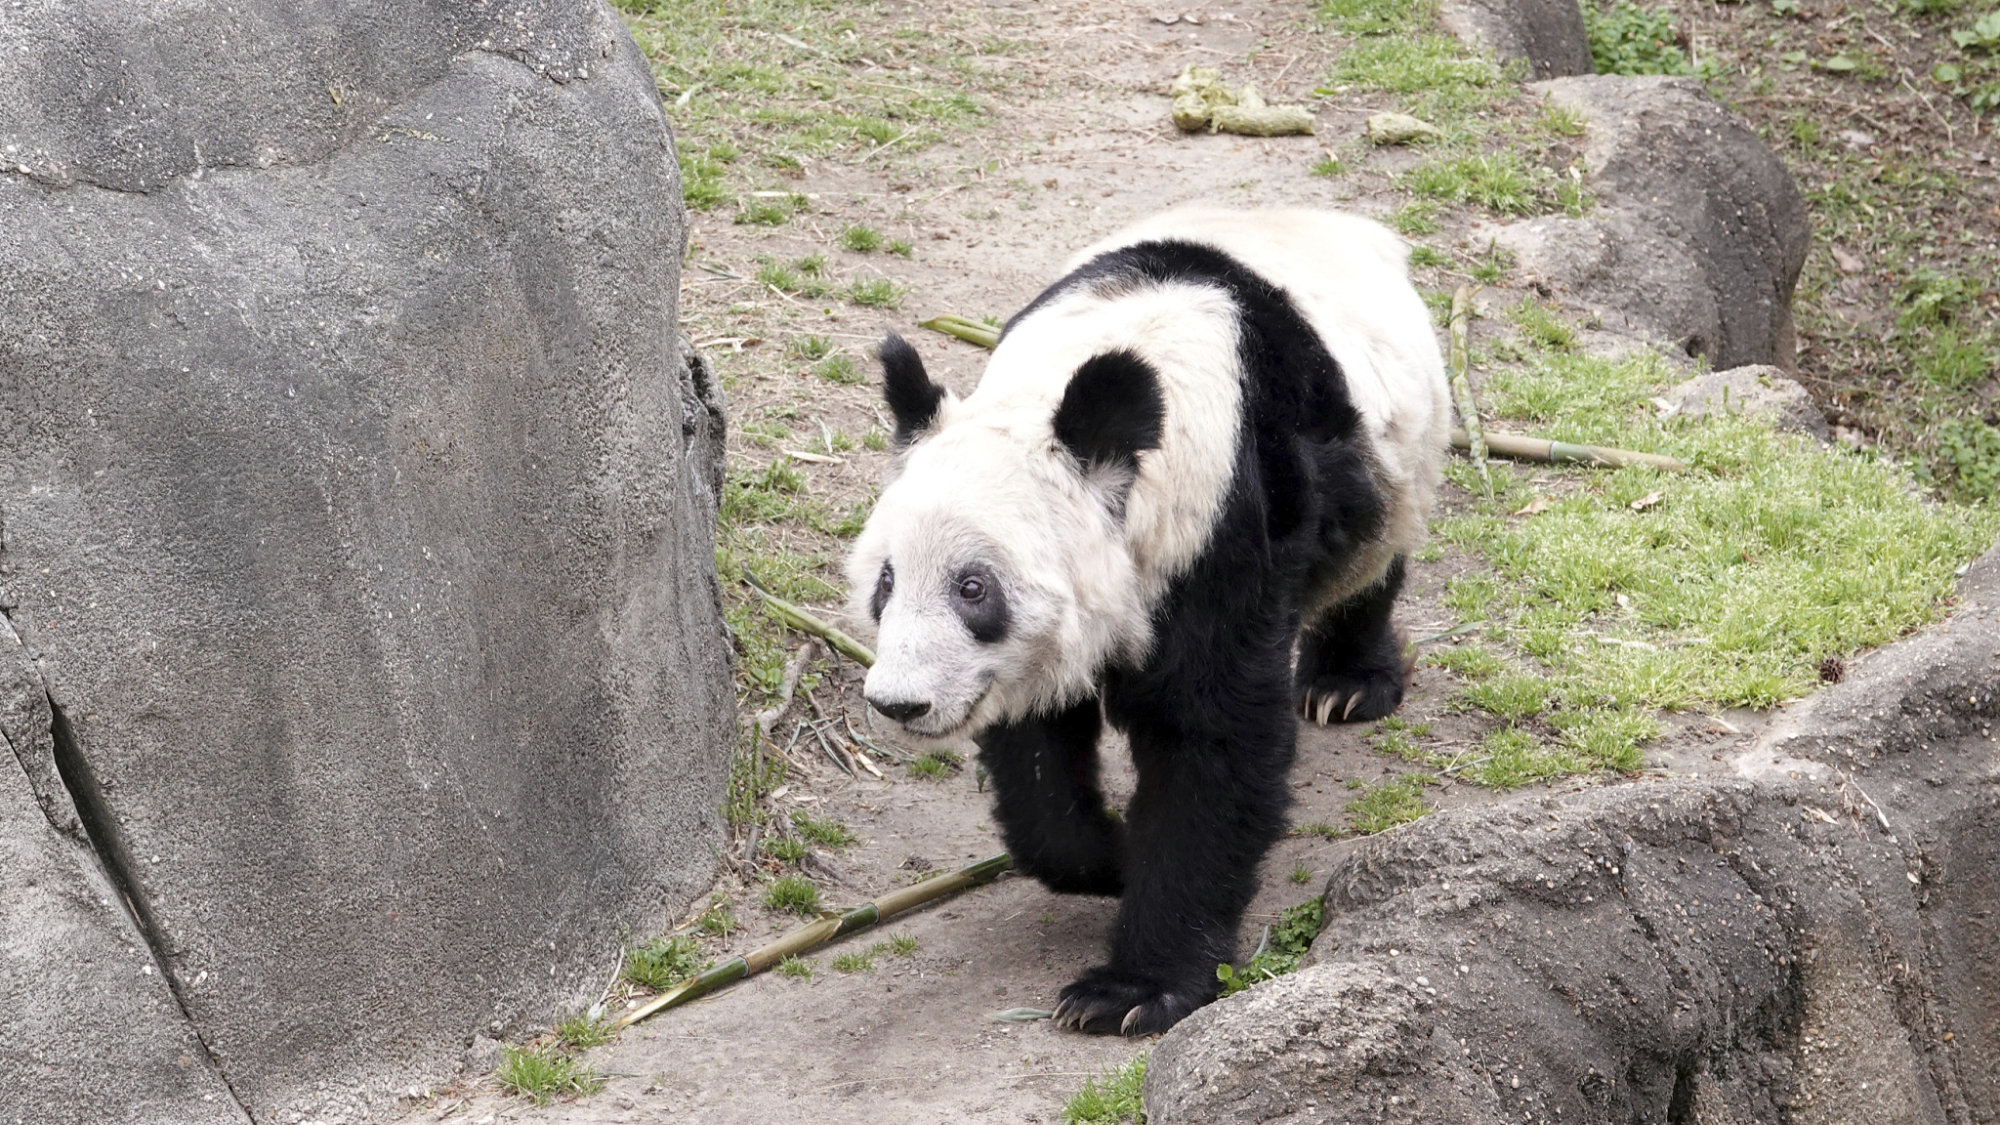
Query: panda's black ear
913	398
1112	411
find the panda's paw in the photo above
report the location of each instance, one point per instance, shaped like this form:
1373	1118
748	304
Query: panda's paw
1351	696
1106	1002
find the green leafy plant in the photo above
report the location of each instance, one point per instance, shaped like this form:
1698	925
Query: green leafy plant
1628	39
663	962
1281	950
794	894
861	239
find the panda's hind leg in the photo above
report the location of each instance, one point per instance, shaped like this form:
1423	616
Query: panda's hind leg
1048	802
1350	664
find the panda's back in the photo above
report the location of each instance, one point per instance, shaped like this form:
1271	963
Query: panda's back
1153	289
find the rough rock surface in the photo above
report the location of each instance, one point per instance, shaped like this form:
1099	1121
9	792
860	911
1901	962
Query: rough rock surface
356	503
1547	34
1756	389
1698	232
1810	941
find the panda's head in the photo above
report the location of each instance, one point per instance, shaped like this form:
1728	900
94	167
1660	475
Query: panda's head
994	566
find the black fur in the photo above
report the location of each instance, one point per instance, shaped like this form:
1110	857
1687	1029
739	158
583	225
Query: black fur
1352	655
1111	411
913	398
1209	713
985	614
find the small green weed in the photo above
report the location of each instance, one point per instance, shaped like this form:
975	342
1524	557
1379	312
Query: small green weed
719	918
794	894
1416	219
1471	661
935	765
1541	327
1301	874
795	967
766	211
1283	947
1424	257
1328	166
875	292
1387	805
875	441
856	961
900	248
840	369
903	945
543	1074
861	239
1378	17
810	348
1628	39
664	962
583	1030
1496	181
1112	1099
1970	449
824	831
789	849
1318	828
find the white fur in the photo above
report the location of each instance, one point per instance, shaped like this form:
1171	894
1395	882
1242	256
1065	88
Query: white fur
987	483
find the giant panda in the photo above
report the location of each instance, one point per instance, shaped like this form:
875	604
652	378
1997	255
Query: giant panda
1180	501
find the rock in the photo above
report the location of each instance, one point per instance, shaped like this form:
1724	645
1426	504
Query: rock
1546	34
356	515
1401	129
483	1057
1809	941
1753	390
1698	232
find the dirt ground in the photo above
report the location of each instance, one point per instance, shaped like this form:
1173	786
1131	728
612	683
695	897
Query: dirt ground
1081	146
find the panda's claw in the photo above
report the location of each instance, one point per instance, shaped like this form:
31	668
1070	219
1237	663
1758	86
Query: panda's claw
1352	702
1103	1001
1325	715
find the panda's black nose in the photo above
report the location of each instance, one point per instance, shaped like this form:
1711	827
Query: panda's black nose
901	712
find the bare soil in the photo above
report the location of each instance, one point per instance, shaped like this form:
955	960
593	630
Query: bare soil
1076	142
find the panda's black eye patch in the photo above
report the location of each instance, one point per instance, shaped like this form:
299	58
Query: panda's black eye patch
981	603
885	584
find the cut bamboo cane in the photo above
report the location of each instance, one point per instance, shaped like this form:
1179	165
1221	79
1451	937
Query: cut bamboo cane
1541	449
815	934
798	618
1461	382
965	328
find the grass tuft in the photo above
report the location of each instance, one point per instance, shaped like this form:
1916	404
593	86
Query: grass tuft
794	894
543	1074
663	962
1387	805
1110	1099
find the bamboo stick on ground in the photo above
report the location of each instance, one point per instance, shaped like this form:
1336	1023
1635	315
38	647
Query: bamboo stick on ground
815	934
965	328
798	618
1542	449
1461	382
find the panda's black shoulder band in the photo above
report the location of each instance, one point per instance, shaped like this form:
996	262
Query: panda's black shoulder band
1112	410
912	397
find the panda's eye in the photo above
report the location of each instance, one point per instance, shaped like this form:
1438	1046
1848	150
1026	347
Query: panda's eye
886	585
972	588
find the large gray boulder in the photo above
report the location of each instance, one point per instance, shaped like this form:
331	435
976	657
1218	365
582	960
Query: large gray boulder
356	509
1808	941
1698	232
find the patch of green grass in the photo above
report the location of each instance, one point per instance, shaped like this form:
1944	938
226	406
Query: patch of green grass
794	894
1378	17
766	211
583	1030
1282	948
1438	78
1318	828
1497	181
875	292
1417	218
1511	757
1424	257
664	962
1970	452
795	967
810	348
719	918
543	1074
1112	1099
900	248
1628	39
935	765
1559	120
789	849
902	945
855	961
1470	661
824	831
840	369
1328	166
875	441
1301	874
1540	326
1384	806
861	239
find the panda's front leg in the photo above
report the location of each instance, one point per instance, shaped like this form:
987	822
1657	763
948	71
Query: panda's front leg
1210	802
1048	802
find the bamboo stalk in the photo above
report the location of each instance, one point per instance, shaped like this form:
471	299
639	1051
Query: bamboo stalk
965	328
815	934
798	618
1461	382
1541	449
